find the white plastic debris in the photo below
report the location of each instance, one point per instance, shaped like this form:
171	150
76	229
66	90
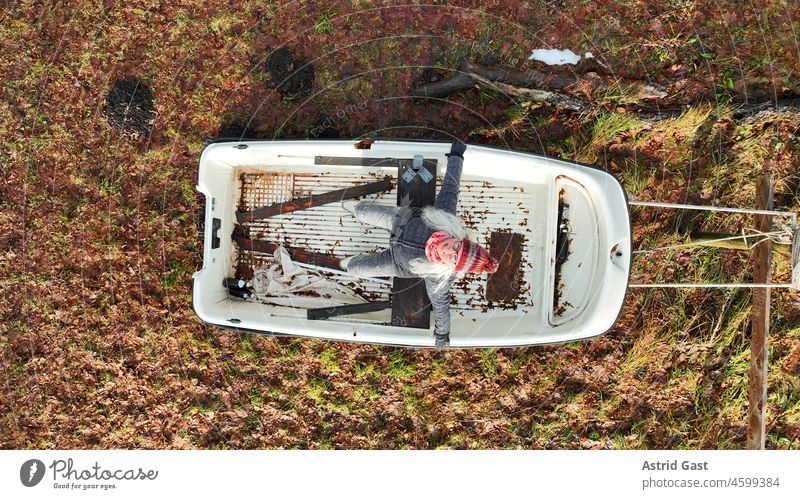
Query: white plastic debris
555	56
287	284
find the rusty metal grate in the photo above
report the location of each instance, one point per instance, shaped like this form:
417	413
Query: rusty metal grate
264	189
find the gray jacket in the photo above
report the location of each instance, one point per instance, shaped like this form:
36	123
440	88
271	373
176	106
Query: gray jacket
408	238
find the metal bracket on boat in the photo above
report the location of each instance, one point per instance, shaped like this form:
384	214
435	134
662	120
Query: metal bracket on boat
425	175
417	166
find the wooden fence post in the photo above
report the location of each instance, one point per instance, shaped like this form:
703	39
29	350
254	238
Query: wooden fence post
759	340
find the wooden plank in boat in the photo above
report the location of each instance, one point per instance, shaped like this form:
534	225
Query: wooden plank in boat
504	285
359	308
411	306
336	196
354	161
297	255
359	161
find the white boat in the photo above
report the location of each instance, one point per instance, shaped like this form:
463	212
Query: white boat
557	206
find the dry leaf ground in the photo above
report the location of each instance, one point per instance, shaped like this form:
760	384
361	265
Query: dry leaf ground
99	347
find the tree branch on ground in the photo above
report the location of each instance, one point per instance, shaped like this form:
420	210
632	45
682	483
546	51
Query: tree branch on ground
576	92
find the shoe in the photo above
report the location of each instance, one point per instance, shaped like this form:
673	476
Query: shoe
457	149
344	261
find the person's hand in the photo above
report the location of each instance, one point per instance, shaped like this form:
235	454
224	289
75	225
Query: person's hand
442	342
457	149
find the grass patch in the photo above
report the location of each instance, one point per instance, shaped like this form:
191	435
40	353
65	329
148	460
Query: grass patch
488	362
324	23
607	126
400	366
328	357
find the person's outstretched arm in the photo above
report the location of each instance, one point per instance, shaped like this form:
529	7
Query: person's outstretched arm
447	199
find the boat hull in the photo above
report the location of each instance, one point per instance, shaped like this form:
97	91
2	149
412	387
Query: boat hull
572	220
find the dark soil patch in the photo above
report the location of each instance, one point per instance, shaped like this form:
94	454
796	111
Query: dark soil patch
129	107
325	128
291	77
236	130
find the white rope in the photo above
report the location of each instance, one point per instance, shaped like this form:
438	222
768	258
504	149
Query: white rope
750	211
349	202
341	272
788	233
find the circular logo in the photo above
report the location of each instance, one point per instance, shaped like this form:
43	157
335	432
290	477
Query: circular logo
31	472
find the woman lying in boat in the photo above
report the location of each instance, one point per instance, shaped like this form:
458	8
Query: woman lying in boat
430	243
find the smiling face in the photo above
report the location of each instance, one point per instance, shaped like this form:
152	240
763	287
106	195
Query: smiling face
448	250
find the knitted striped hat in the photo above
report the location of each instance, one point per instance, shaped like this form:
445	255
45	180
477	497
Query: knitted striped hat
474	258
471	256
